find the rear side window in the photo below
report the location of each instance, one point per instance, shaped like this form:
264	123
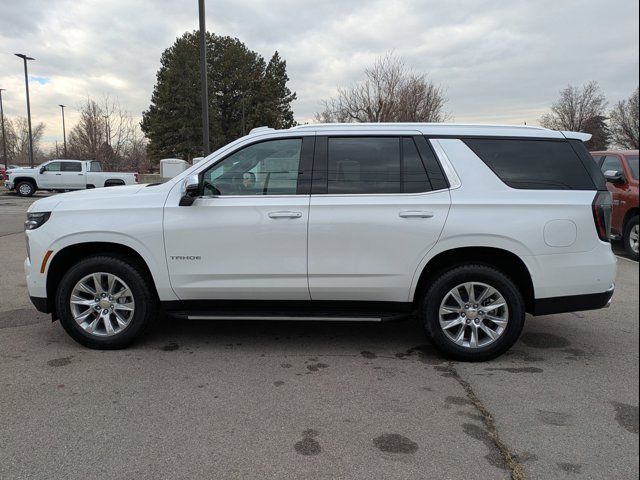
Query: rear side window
533	164
71	167
372	165
363	165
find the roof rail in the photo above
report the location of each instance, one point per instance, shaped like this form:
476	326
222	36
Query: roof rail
260	129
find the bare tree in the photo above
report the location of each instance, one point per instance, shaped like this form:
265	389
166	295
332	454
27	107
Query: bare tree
108	133
390	92
575	108
624	123
18	140
580	109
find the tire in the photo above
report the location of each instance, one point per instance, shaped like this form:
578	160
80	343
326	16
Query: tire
128	274
25	188
474	319
630	237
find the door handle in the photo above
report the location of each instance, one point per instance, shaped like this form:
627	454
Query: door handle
285	214
58	174
416	214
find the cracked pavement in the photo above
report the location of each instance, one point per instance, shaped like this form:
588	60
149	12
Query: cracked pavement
314	400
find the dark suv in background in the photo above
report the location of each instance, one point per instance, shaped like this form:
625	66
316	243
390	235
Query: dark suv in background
620	168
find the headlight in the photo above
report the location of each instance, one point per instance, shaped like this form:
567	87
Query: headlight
36	220
9	172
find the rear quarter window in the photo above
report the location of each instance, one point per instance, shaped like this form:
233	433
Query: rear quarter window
533	164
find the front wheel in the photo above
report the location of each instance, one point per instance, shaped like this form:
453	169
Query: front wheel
105	302
473	313
25	189
631	238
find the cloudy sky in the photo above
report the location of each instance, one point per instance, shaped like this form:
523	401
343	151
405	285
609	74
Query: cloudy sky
499	61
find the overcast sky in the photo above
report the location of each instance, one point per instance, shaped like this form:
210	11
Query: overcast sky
499	61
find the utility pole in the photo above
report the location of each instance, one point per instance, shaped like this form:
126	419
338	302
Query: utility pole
106	127
203	80
64	131
26	84
4	135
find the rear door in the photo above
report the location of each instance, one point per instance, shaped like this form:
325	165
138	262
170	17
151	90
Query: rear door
73	177
374	215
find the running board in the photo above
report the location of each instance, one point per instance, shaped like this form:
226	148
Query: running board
279	318
289	311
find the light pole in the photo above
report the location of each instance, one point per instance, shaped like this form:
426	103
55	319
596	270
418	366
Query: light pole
203	80
106	127
64	131
26	83
4	135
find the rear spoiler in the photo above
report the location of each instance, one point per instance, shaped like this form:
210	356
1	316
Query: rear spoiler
584	137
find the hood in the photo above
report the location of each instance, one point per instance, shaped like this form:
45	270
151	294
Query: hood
23	170
48	204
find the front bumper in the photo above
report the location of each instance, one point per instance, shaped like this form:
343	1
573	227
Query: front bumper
8	185
573	303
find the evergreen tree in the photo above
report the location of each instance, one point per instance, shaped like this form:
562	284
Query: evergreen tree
244	92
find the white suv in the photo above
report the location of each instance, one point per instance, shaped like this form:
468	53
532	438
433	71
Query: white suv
468	227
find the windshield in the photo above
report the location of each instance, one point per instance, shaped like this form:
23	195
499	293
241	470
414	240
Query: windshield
632	160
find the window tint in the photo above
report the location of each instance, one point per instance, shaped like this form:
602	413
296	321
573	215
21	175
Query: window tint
71	167
95	167
533	164
266	168
612	162
363	165
414	176
632	160
53	167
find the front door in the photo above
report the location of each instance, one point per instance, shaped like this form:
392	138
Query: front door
246	236
50	176
375	213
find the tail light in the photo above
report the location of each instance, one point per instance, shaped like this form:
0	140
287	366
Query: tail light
137	177
602	208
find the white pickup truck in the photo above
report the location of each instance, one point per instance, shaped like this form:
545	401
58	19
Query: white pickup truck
63	175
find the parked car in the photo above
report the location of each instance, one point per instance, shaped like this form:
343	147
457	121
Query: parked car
3	171
621	171
468	227
61	175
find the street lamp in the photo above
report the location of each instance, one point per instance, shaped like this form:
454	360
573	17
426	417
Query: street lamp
203	80
64	132
26	83
4	135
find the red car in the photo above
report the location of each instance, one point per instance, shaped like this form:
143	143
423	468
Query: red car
621	170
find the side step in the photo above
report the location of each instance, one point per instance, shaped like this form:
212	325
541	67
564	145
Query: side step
290	311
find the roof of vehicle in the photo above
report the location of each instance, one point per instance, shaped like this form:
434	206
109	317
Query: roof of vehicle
446	129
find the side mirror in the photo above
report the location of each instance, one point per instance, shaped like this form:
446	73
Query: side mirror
43	169
615	177
190	191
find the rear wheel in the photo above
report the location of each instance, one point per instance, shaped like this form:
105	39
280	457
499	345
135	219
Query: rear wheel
25	189
105	302
473	313
630	237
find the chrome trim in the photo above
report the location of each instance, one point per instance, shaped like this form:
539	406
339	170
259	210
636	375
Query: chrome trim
284	318
449	170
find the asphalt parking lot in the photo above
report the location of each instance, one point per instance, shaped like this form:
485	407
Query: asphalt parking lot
284	400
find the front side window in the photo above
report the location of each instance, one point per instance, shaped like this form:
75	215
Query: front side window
53	167
71	167
265	168
611	162
632	160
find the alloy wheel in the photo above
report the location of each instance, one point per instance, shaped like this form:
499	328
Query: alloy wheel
102	304
473	315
